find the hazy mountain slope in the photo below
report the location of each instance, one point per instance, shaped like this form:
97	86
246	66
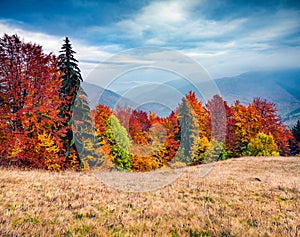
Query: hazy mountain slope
98	95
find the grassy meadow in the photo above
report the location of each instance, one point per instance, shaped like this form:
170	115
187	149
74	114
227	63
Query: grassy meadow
239	197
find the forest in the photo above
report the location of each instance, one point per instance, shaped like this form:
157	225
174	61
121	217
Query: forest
46	122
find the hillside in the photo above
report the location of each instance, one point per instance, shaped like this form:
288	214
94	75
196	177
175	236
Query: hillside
253	196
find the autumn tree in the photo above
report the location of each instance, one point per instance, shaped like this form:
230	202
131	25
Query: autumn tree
113	138
230	130
101	115
217	118
124	115
165	135
71	78
247	123
201	114
30	102
139	125
271	123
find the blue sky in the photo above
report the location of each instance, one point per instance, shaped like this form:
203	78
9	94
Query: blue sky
226	37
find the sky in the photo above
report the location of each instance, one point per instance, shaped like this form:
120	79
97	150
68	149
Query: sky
226	37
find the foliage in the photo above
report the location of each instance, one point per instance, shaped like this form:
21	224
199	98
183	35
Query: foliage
48	148
165	140
247	123
29	92
200	113
271	123
154	140
199	150
139	125
262	145
119	143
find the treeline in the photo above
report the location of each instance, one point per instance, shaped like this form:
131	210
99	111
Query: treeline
45	122
195	133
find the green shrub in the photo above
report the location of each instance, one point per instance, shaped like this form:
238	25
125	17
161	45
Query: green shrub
262	145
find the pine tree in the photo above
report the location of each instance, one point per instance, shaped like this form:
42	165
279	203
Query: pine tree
71	78
189	129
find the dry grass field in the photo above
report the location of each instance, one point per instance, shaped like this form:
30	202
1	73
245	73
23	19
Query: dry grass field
238	197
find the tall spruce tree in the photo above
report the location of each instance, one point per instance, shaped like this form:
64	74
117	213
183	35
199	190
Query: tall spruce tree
71	78
189	130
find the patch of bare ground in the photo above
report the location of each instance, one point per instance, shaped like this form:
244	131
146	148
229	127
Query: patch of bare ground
238	197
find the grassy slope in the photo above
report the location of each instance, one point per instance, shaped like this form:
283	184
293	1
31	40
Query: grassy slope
239	197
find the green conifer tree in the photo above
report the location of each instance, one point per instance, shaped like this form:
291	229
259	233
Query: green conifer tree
71	78
295	140
189	131
296	131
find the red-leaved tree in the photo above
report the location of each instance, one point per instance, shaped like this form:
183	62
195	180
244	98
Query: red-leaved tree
29	92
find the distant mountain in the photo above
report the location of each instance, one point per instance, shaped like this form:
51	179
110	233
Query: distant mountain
98	95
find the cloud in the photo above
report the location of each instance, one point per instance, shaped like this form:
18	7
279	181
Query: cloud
176	24
225	45
234	62
88	56
168	23
49	43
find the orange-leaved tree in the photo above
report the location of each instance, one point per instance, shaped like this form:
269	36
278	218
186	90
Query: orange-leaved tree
247	123
101	115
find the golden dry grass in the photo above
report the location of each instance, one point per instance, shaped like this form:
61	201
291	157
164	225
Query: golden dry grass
239	197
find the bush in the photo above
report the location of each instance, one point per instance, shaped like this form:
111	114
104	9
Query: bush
262	145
